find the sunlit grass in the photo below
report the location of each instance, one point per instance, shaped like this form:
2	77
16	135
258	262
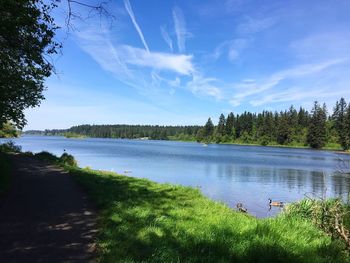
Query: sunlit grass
150	222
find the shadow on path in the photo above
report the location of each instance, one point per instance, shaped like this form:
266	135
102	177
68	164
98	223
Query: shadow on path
45	216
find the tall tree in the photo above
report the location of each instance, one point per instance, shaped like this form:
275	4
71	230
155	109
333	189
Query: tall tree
303	118
283	129
26	39
230	121
317	133
347	121
221	128
339	118
209	128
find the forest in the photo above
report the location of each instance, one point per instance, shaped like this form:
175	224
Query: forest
293	127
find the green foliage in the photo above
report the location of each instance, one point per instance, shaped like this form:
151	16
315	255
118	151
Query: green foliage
209	128
330	215
154	132
47	156
7	130
317	132
10	147
67	159
221	128
142	221
230	124
290	128
339	116
74	135
26	39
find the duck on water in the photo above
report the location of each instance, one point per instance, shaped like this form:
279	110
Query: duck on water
275	203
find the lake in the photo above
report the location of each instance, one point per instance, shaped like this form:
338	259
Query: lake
227	173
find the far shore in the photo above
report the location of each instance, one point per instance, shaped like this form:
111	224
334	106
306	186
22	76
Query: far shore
332	149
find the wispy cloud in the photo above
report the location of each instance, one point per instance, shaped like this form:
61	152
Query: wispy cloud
133	19
254	25
253	88
166	37
297	94
116	58
233	48
201	85
322	45
180	28
181	64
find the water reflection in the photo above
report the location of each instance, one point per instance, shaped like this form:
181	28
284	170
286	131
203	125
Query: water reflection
231	174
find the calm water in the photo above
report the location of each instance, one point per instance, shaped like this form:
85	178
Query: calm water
226	173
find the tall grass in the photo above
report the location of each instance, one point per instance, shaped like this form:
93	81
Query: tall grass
143	221
330	215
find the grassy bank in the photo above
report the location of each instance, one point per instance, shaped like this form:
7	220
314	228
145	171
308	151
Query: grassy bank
150	222
143	221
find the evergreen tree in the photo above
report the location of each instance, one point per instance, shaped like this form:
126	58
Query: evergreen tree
200	136
303	118
221	128
317	133
209	128
339	118
230	124
283	129
347	121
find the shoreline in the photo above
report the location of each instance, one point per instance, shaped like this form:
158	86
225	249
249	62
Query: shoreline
139	217
329	149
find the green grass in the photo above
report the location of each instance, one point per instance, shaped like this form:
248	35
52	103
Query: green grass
4	173
143	221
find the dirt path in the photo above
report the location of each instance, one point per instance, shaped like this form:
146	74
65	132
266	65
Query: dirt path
45	217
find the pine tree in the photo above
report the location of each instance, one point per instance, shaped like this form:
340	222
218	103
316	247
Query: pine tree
209	128
283	129
339	118
317	133
303	118
230	124
200	136
221	128
347	121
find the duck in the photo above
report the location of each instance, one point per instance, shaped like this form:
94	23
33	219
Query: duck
241	208
275	203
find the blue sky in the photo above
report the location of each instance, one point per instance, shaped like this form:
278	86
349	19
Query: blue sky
180	62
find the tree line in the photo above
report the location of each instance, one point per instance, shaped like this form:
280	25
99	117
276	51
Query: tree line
291	127
152	132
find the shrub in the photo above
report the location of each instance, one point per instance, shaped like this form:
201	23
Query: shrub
10	147
331	215
68	159
47	156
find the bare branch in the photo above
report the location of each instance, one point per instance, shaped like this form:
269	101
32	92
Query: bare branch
100	9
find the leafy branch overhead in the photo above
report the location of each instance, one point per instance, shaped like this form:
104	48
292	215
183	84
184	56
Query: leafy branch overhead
26	41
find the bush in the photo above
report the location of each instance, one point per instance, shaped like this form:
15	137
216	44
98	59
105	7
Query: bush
47	156
330	215
10	147
68	159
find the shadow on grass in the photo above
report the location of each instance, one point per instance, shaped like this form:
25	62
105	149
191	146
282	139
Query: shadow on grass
150	222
